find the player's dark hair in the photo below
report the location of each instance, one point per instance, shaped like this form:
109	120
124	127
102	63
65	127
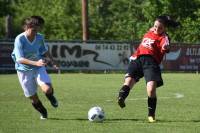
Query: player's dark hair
34	21
167	21
39	18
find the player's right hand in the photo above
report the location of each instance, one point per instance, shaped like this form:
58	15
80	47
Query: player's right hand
41	62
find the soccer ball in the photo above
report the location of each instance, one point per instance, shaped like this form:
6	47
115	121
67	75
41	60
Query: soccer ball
96	114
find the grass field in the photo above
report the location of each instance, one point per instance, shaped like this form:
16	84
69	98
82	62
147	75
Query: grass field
178	109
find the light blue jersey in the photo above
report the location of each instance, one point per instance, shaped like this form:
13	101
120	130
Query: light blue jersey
23	48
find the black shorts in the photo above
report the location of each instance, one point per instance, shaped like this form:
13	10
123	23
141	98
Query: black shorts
147	67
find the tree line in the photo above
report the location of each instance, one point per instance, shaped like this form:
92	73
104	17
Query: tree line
117	20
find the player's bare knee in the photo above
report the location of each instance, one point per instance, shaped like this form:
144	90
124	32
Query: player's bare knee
129	81
151	92
46	88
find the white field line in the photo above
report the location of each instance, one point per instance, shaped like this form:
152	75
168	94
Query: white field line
176	96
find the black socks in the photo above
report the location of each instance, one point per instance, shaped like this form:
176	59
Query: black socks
40	108
50	96
152	101
124	92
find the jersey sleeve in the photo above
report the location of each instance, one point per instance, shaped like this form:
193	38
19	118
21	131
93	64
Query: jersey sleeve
165	44
18	49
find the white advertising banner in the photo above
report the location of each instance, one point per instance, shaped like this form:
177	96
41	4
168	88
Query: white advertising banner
91	56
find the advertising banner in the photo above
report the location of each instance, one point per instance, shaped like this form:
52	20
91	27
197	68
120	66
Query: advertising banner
6	62
91	56
182	58
106	56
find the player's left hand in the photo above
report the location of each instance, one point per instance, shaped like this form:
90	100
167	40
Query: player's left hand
166	47
55	66
52	62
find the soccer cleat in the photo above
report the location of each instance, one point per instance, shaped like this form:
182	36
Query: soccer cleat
54	102
151	119
121	102
43	116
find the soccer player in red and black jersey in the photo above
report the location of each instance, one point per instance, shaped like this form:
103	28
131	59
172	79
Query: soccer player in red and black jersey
145	63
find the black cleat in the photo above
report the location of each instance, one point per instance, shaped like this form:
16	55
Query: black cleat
121	102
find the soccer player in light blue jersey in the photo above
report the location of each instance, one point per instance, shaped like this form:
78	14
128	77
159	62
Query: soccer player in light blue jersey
28	54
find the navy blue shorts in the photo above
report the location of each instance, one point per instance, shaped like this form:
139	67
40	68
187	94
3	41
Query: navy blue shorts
147	67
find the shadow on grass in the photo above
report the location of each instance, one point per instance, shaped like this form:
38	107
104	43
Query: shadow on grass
125	119
106	120
183	121
68	119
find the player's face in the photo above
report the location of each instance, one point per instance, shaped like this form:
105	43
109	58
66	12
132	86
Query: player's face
35	29
32	31
158	27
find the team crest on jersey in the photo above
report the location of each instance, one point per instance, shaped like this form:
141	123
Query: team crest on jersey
147	43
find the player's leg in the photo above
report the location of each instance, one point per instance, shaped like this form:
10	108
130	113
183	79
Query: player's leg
152	100
29	86
49	92
133	75
44	82
124	91
152	74
37	104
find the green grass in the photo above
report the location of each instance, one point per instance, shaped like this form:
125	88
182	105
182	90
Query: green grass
78	92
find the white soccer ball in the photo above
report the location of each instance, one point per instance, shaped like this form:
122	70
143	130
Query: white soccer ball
96	114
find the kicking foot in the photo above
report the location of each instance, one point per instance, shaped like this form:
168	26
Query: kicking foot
121	102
